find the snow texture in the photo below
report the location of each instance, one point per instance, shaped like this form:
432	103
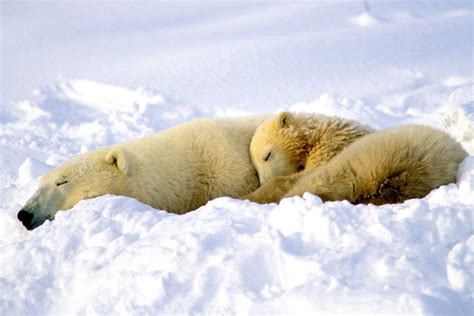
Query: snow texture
149	66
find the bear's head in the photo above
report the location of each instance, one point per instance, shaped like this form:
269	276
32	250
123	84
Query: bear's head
92	174
276	148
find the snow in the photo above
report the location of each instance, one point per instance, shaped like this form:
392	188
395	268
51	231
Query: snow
458	121
116	71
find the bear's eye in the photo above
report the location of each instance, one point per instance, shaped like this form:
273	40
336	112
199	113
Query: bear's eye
267	156
61	182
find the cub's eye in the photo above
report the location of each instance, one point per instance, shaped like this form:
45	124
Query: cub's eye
267	156
61	182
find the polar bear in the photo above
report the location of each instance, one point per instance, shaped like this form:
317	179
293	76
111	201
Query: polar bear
176	170
289	143
388	166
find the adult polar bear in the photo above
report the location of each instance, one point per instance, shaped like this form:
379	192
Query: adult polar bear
176	170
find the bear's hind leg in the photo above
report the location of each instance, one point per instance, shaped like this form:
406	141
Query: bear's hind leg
390	191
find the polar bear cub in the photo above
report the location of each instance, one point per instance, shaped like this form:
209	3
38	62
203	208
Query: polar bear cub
289	143
388	166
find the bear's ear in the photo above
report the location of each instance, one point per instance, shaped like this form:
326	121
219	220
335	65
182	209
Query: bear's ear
285	119
117	157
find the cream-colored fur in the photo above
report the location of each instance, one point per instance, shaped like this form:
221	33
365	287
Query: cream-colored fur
388	166
176	170
288	143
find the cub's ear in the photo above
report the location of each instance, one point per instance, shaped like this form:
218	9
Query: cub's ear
284	120
117	157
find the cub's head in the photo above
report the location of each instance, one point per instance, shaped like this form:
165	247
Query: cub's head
90	175
274	149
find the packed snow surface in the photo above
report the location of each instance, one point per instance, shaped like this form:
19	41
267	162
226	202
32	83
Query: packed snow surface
394	65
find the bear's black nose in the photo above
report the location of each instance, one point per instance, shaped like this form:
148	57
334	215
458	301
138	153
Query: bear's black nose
26	218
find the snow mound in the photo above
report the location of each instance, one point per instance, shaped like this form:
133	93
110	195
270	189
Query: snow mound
459	121
366	20
31	169
105	97
98	102
330	104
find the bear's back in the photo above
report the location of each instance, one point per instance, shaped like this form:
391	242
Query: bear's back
197	161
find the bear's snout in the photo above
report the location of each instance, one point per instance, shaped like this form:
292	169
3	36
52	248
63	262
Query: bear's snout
26	218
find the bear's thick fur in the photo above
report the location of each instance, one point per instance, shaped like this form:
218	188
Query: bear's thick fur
288	143
388	166
176	170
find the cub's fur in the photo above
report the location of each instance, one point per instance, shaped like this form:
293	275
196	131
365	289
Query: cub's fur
288	143
388	166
